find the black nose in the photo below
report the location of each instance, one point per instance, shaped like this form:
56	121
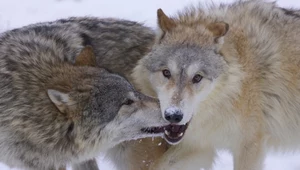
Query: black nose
174	117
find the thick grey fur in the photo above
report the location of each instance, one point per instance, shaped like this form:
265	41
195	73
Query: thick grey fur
27	56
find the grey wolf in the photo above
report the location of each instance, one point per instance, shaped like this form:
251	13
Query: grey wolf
57	105
118	45
230	73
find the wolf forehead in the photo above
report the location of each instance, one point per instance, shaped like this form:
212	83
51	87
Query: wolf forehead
205	60
108	94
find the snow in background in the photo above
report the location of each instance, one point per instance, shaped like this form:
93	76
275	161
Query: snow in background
17	13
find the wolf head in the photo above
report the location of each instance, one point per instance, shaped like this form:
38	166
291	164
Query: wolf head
103	109
182	68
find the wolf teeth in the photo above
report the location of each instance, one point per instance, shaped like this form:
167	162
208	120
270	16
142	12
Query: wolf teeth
167	132
180	134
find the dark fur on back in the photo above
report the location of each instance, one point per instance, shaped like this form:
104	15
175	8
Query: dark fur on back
119	44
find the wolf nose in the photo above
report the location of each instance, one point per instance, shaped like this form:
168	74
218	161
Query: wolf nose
174	116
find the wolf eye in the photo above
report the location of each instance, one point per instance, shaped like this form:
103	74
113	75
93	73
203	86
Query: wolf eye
197	78
128	102
166	73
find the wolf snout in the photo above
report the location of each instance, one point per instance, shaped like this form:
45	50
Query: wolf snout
173	115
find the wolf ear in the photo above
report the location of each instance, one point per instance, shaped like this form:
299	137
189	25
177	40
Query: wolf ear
164	22
59	99
86	57
218	29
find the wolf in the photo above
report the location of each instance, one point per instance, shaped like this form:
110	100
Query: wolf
118	46
227	77
57	106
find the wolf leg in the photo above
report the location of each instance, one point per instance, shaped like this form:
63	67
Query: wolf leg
249	156
62	168
88	165
190	158
138	154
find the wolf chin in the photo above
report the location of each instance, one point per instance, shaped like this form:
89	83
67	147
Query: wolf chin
227	77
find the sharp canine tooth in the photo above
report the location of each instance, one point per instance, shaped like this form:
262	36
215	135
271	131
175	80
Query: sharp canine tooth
167	133
180	134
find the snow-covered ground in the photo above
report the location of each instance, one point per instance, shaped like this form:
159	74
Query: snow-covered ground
16	13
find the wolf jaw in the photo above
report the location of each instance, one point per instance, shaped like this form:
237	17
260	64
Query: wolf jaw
172	133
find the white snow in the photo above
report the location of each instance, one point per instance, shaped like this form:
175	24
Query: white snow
16	13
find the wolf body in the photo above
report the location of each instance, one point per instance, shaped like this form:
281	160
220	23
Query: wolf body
118	44
230	75
57	106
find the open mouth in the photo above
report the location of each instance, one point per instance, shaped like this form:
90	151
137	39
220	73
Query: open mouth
172	133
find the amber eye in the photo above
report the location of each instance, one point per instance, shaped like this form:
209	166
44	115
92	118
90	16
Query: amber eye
166	73
128	102
197	78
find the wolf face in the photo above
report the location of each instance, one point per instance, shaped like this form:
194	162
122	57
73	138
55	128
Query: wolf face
182	75
123	112
182	71
106	108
